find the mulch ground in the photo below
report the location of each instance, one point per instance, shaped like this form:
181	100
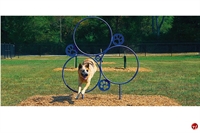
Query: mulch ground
133	69
128	69
99	100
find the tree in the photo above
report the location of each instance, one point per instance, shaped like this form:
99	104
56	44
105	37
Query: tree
159	22
185	29
15	29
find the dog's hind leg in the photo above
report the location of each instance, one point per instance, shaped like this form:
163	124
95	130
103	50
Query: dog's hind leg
82	96
77	96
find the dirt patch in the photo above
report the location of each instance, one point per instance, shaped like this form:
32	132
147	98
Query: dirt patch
132	69
99	100
108	63
66	69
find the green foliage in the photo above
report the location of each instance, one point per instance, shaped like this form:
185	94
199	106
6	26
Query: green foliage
15	29
185	29
59	29
167	24
164	26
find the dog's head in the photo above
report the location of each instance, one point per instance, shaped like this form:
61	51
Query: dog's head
83	70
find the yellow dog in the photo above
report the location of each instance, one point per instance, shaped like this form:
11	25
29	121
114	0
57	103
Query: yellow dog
86	71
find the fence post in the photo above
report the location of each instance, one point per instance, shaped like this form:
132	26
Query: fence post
10	51
7	47
3	47
40	52
170	48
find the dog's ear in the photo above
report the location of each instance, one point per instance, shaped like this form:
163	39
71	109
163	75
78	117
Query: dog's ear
80	66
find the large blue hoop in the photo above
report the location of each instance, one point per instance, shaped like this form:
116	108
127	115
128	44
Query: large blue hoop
92	17
134	75
63	70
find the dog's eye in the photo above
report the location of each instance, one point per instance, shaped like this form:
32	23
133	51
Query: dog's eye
87	70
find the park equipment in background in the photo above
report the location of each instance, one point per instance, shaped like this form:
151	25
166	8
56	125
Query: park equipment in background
117	40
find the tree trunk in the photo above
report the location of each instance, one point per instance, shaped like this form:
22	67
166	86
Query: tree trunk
153	28
60	29
158	26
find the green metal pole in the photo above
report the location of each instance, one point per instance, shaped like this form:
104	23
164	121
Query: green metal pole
120	92
124	61
75	62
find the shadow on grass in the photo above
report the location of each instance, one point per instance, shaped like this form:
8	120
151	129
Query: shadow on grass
62	99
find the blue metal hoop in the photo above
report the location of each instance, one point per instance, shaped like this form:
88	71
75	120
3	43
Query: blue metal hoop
92	17
118	39
134	75
65	82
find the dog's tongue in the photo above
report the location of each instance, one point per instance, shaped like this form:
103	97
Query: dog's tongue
85	77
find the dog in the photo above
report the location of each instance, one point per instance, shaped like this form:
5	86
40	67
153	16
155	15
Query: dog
86	71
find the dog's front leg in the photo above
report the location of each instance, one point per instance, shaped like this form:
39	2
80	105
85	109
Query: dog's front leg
85	88
79	90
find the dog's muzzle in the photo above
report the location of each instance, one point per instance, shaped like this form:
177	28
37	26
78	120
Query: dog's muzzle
84	75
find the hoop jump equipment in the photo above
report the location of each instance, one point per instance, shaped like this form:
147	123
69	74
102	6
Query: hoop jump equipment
103	84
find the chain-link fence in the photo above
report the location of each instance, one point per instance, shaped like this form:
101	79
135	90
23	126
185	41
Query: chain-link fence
7	51
10	50
166	48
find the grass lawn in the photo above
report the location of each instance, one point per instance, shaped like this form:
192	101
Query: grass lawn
176	77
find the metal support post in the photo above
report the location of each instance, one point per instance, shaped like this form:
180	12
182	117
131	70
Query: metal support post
120	92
